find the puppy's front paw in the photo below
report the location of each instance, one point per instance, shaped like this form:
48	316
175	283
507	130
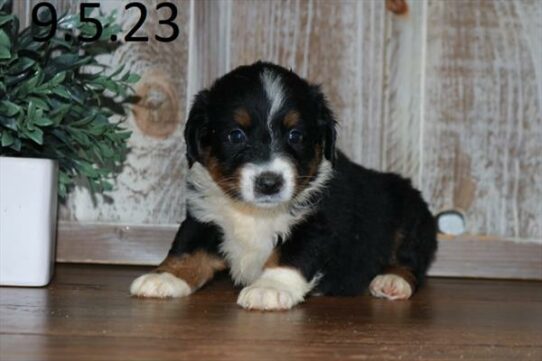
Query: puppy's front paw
266	298
276	289
390	286
160	285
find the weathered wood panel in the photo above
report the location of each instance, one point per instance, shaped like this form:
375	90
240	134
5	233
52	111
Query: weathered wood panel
210	43
482	149
150	189
448	93
463	256
337	44
404	91
113	243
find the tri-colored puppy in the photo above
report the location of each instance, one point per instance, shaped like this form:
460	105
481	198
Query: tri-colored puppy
270	199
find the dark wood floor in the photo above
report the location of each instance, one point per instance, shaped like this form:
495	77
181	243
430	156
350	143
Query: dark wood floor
87	314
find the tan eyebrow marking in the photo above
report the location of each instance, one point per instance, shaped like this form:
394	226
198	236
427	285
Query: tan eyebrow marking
291	118
242	117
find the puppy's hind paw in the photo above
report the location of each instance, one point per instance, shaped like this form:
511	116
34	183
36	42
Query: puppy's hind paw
159	285
390	286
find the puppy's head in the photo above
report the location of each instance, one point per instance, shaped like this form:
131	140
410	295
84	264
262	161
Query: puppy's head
262	133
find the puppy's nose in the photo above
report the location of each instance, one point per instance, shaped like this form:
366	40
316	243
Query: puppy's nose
269	183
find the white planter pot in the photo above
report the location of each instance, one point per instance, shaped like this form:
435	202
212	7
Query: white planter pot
28	206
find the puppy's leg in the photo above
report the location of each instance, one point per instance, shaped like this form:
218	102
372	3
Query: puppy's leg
282	284
178	276
192	261
411	255
278	288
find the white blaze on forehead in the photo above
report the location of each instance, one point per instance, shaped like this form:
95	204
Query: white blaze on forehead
274	90
279	166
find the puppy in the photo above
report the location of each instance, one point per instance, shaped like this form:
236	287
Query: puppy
270	199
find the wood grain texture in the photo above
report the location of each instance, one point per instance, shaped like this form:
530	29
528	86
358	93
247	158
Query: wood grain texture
461	256
487	257
113	243
210	42
398	109
86	313
150	189
482	149
404	90
337	44
448	94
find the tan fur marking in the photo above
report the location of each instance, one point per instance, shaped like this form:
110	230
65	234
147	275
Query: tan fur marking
213	166
230	185
242	118
315	163
273	260
195	269
403	272
291	119
397	241
313	170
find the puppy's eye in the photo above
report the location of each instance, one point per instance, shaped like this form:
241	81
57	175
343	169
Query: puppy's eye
237	136
295	136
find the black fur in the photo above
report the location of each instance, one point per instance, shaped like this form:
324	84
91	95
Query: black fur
350	239
193	131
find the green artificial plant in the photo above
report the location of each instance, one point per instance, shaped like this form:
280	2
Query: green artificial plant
53	106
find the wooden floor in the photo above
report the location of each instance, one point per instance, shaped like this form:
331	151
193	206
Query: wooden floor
87	314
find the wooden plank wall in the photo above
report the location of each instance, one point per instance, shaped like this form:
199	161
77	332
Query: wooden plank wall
150	189
448	93
463	256
482	148
339	44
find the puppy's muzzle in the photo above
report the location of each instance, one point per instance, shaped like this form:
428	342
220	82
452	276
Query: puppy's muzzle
268	183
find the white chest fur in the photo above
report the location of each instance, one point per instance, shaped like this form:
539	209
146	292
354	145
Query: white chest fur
249	241
249	234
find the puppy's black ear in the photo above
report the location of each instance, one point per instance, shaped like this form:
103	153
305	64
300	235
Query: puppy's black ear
327	122
195	125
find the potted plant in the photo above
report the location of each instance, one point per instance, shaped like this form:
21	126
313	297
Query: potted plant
55	131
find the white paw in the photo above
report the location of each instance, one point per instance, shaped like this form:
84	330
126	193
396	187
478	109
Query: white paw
160	285
390	286
266	298
276	289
